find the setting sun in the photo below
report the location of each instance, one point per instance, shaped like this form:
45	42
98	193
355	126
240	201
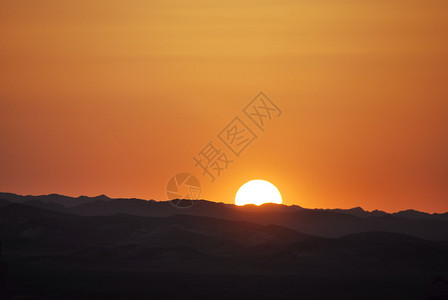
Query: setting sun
258	192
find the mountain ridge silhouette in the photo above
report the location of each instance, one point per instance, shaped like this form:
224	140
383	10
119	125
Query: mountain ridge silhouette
135	249
319	222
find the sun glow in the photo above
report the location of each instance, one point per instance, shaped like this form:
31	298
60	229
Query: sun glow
257	192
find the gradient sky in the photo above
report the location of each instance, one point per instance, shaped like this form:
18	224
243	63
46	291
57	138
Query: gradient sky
115	97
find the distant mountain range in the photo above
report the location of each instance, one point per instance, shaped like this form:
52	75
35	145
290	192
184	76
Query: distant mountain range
59	247
320	222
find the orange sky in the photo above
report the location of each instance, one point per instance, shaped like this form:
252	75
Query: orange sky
115	97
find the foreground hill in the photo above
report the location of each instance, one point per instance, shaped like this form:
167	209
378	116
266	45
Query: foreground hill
65	255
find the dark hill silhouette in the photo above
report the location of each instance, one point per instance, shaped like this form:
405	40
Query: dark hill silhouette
325	223
59	252
382	237
417	215
359	212
53	198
